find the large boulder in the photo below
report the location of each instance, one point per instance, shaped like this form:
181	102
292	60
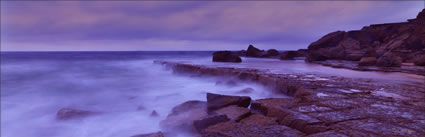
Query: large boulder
389	59
225	56
156	134
272	52
254	52
367	61
182	116
419	60
71	113
216	101
288	55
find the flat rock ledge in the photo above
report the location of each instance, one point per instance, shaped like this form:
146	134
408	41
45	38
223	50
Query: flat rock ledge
319	106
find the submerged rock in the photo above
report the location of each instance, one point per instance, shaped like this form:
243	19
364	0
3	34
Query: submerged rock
216	101
154	114
157	134
225	56
71	113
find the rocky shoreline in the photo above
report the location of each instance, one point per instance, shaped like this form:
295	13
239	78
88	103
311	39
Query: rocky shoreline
391	47
335	106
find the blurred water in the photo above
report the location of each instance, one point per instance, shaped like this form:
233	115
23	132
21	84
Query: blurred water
124	87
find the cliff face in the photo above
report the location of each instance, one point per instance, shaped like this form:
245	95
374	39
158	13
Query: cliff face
391	44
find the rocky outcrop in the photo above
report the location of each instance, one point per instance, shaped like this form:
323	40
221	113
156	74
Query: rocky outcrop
391	44
336	106
225	56
254	52
216	101
71	113
156	134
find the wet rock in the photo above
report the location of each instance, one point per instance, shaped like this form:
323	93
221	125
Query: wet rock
225	56
201	124
367	61
234	113
187	106
254	52
278	109
182	116
157	134
272	52
389	60
419	60
232	129
216	101
257	119
154	114
71	113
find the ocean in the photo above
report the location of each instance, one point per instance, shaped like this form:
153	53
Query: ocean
123	88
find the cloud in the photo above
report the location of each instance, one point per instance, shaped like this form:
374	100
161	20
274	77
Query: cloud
270	23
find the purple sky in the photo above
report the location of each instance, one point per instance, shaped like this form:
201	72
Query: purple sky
187	25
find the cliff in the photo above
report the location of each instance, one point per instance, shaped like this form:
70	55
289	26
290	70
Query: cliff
385	45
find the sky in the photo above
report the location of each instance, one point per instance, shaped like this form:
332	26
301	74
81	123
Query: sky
186	25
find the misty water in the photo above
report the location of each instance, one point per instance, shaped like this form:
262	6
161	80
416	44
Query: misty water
123	87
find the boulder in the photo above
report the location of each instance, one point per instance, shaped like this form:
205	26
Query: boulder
216	101
204	123
234	113
157	134
225	56
272	52
240	53
288	55
419	60
182	116
389	60
254	52
71	113
367	61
